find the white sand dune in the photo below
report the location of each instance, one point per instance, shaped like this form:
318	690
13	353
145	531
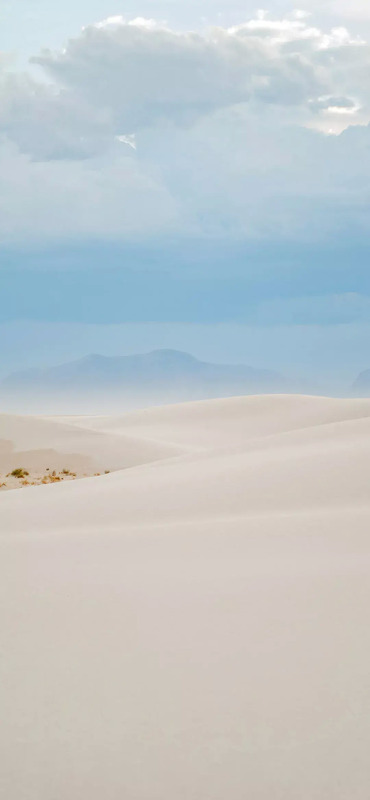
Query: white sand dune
214	423
196	623
36	443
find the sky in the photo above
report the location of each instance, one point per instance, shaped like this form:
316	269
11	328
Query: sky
186	174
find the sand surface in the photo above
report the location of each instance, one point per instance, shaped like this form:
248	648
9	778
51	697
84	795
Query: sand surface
43	446
195	624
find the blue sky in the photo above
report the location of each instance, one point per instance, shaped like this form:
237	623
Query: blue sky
172	168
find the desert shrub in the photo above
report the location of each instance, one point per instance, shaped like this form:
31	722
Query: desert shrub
19	473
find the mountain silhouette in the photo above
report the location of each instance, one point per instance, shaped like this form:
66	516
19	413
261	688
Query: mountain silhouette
160	376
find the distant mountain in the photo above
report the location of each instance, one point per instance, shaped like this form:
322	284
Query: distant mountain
361	386
158	377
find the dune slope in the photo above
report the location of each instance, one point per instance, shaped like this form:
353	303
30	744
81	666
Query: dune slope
37	444
196	624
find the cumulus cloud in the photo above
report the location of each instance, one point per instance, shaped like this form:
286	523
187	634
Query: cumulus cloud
139	130
142	72
49	123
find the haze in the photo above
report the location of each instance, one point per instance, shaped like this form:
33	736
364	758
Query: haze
184	400
188	175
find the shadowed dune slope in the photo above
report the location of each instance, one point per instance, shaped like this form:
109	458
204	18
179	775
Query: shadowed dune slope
34	442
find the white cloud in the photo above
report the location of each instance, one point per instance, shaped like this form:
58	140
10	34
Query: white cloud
49	123
142	72
143	130
300	13
119	21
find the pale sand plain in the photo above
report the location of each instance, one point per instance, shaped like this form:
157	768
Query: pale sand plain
194	624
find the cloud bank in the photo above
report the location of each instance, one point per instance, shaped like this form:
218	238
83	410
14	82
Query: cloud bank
138	131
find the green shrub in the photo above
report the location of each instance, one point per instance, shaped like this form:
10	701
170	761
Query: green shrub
19	473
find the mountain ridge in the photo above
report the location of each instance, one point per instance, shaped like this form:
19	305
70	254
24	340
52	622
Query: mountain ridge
160	376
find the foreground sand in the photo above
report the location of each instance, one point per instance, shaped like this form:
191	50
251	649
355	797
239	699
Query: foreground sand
196	624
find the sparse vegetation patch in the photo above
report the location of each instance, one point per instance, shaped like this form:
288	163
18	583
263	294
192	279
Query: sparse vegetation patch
20	477
18	473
